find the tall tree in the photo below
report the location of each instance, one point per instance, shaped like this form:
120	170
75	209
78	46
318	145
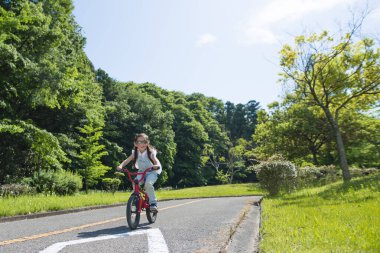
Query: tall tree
251	109
47	83
336	75
90	154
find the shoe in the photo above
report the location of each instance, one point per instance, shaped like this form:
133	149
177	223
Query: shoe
153	208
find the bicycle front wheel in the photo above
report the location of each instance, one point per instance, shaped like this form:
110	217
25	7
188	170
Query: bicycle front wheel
133	215
152	216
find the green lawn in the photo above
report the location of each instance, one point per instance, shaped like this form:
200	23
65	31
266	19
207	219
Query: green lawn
333	218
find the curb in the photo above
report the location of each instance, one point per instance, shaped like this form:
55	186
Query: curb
248	225
52	213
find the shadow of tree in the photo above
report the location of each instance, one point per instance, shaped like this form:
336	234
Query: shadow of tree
370	182
335	194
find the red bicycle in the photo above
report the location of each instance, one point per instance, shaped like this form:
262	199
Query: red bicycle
138	201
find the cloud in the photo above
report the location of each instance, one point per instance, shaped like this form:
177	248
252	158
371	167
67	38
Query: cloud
260	26
206	39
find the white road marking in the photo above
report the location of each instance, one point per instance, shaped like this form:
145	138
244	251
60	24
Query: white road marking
156	241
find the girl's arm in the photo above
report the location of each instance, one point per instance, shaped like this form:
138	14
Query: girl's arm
156	162
125	162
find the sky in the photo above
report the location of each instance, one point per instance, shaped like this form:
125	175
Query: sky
221	48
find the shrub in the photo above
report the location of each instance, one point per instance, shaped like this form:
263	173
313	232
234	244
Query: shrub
60	182
221	177
14	190
276	175
111	184
315	176
66	183
42	181
358	172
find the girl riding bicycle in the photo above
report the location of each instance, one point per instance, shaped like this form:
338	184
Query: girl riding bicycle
143	157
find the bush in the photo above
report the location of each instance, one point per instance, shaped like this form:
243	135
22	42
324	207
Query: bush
66	183
111	184
221	177
42	181
60	182
358	172
14	190
276	175
316	176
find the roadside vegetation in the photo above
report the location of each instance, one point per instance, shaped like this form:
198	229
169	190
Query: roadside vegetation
338	217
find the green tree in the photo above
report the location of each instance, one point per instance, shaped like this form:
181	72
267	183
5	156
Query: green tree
235	160
91	151
47	82
336	75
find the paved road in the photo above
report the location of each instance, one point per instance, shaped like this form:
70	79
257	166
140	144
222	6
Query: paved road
192	225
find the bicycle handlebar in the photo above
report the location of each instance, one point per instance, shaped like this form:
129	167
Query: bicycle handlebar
140	173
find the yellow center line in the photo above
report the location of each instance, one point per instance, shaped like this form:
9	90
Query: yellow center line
33	237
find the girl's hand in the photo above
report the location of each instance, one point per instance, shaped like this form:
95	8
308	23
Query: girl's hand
156	167
119	168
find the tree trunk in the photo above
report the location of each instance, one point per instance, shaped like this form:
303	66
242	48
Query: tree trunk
339	146
314	152
85	186
231	177
342	155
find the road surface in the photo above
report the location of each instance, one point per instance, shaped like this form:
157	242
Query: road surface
190	225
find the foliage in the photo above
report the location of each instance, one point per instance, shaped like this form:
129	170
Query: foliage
111	184
66	183
92	168
222	178
335	74
47	87
40	149
317	176
58	182
14	190
276	175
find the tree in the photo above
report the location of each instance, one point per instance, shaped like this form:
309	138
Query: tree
251	109
293	130
235	159
334	74
92	168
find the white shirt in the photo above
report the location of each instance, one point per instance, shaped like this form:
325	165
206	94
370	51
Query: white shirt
144	161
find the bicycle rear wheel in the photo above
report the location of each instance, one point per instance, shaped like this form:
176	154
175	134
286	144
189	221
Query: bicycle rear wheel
133	216
152	216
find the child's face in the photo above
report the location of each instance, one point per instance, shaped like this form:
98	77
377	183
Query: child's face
141	143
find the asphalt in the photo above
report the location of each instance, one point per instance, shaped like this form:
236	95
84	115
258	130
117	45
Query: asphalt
244	234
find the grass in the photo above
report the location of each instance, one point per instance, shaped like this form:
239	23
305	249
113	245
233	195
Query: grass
40	203
334	218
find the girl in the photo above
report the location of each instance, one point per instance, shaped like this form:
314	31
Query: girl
144	156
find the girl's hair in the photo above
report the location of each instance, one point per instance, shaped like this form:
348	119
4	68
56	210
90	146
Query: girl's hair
149	148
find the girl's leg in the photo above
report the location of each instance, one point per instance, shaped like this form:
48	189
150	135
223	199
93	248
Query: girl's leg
150	179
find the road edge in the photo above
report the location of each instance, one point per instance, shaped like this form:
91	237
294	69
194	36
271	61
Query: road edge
245	234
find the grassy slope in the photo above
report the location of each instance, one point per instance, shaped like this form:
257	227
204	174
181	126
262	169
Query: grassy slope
333	218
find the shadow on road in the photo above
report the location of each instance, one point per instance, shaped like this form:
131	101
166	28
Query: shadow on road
112	231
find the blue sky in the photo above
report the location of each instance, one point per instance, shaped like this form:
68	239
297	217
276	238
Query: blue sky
221	48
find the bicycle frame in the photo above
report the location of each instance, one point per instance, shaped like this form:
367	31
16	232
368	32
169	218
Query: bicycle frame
144	199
